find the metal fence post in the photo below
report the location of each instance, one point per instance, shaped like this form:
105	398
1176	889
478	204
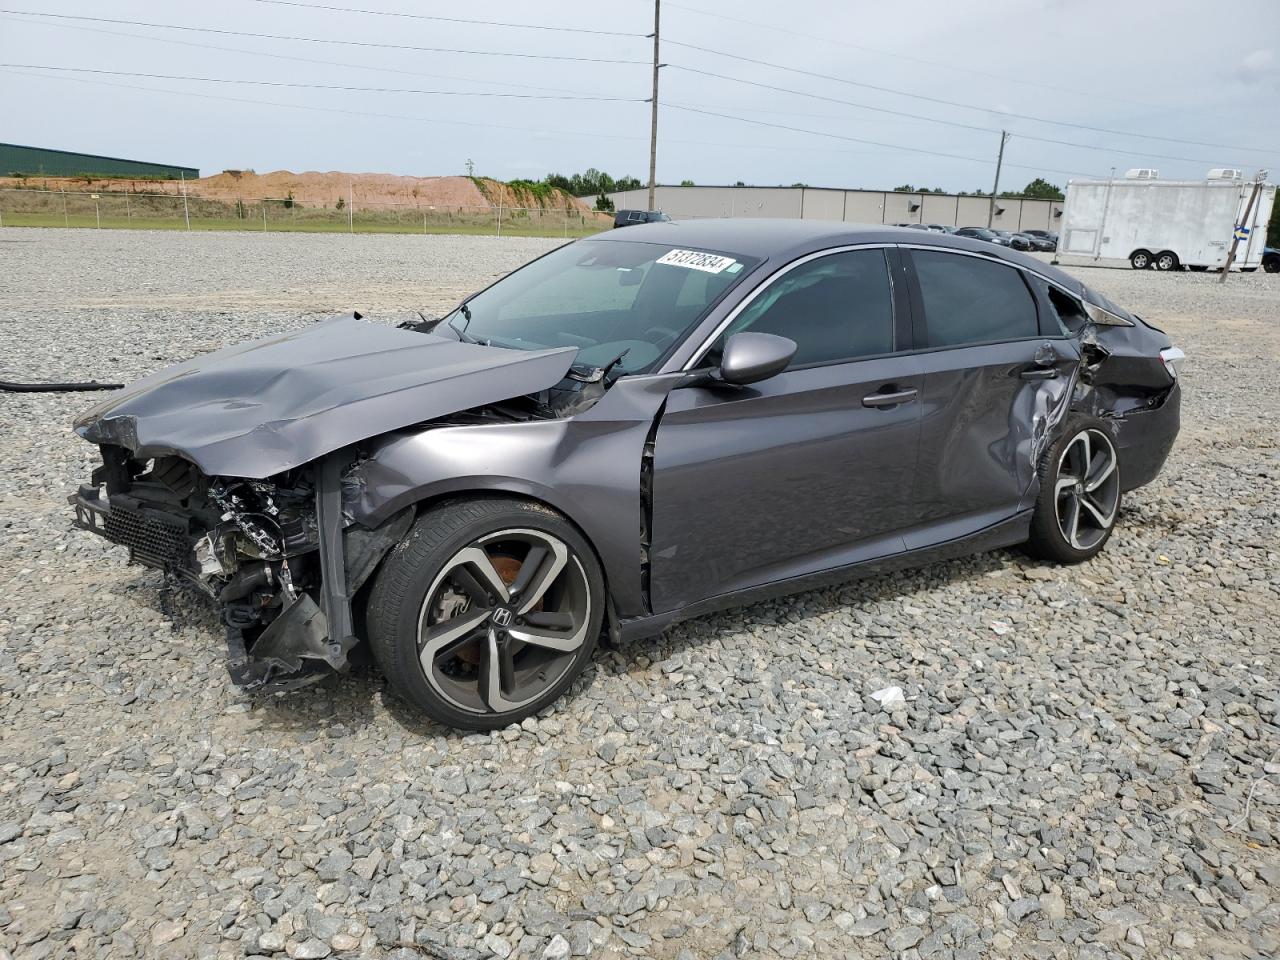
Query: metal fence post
186	214
499	214
351	220
128	213
263	201
66	222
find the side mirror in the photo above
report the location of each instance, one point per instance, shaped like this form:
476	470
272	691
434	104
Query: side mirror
752	357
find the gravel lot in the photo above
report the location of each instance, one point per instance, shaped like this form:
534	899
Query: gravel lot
1087	763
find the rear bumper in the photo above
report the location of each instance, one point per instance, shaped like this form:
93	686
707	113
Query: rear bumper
1145	438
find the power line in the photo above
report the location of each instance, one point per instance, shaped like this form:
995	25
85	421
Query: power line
1021	81
965	106
874	143
315	109
589	134
917	116
347	43
325	86
346	65
424	16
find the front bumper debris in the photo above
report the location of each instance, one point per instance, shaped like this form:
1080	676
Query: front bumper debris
278	594
154	539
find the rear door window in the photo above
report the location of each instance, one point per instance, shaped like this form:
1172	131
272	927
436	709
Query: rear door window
973	300
1066	312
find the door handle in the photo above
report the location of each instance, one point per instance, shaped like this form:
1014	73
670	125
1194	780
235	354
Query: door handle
1039	373
888	399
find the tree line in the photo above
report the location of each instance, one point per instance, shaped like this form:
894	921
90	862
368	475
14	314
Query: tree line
1037	189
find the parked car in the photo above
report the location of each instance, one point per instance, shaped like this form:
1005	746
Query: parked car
942	228
1015	241
1271	260
982	233
1038	243
631	218
1045	235
624	433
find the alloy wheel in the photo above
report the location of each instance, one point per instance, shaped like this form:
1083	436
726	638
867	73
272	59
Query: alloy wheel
1087	489
504	620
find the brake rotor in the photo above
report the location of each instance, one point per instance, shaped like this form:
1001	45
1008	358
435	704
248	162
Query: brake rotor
508	569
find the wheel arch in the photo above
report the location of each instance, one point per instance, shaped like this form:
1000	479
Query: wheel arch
491	487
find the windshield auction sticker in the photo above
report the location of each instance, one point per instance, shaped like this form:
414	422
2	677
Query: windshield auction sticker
694	260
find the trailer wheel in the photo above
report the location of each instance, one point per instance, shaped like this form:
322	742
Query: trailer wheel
1167	260
1271	263
1140	260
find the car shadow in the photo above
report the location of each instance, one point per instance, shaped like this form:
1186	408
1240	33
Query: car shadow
352	701
813	603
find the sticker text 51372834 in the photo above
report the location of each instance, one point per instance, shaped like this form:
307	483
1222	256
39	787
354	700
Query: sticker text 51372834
696	260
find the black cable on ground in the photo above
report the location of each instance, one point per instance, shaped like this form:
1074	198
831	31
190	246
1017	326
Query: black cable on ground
56	387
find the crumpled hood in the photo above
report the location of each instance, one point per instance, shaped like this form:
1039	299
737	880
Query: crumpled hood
262	407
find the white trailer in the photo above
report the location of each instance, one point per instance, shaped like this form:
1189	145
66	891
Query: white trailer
1166	224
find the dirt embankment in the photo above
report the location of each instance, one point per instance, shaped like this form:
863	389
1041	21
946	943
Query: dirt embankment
322	189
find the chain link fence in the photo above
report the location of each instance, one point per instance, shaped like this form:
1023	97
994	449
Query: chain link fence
28	207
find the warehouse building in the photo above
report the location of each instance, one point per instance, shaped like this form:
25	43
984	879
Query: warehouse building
850	206
20	161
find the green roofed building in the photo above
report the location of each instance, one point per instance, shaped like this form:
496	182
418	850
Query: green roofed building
19	161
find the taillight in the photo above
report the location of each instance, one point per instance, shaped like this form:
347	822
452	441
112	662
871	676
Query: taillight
1172	358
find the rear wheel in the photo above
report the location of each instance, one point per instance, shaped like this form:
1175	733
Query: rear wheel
1140	259
1166	260
1079	494
486	611
1271	263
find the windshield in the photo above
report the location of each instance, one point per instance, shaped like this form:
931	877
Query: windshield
608	298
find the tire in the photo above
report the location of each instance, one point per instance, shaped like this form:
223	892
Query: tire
453	641
1271	264
1140	260
1167	260
1074	517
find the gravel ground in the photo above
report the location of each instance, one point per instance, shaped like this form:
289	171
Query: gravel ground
1086	764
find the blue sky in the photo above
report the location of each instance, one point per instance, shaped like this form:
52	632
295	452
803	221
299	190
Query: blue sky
1184	73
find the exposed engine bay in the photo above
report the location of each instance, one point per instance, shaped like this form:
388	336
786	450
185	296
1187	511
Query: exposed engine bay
277	556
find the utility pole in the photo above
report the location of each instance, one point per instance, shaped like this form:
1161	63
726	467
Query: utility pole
1235	234
991	207
653	122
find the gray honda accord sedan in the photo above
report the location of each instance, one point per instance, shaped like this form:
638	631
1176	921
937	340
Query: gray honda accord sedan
636	428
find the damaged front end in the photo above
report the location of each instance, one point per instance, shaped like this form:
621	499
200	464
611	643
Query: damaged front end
277	556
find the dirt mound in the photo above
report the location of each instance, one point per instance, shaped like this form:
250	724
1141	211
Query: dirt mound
329	189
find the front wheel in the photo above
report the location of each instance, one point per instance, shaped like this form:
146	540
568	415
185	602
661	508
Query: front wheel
486	611
1140	260
1079	494
1166	260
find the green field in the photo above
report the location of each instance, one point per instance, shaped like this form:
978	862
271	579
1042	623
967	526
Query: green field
515	227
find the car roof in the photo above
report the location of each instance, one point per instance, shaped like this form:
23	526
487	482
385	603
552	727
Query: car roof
784	240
